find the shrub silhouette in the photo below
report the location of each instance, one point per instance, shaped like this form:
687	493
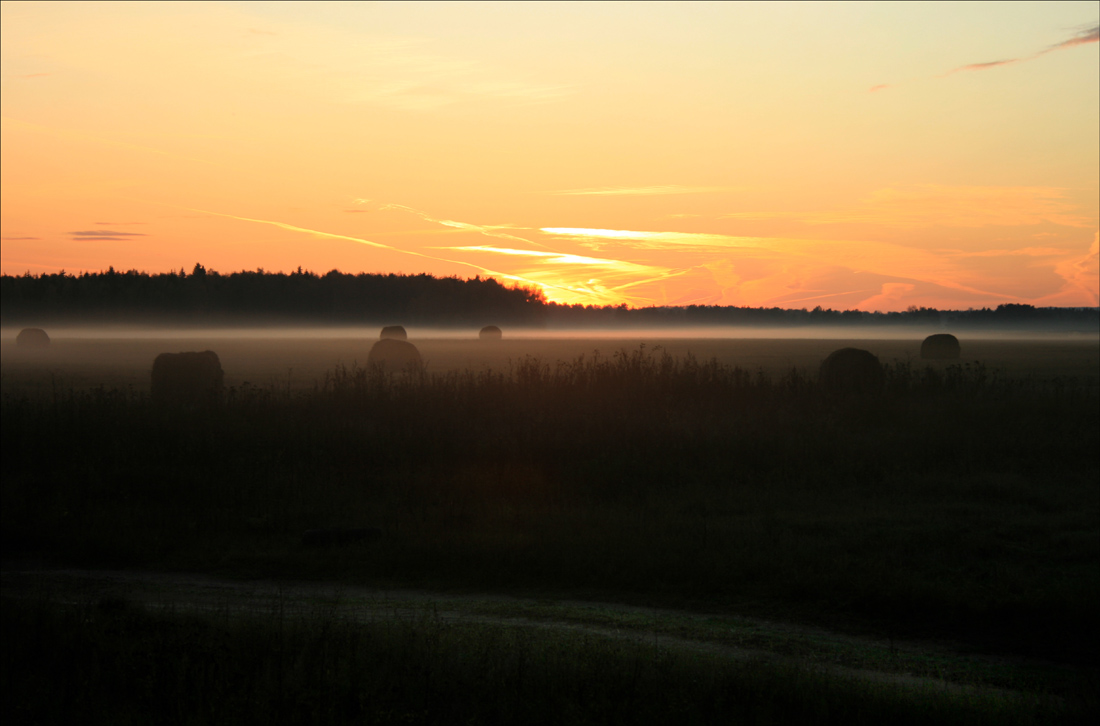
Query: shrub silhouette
393	332
395	355
190	379
852	370
490	332
940	346
32	338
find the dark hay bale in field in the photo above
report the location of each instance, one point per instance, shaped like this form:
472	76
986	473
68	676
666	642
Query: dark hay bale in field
490	332
187	379
393	332
940	346
395	355
339	536
851	370
32	338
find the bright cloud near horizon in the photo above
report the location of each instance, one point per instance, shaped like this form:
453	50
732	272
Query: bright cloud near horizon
865	156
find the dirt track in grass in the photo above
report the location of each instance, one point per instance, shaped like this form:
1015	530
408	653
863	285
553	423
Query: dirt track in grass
903	664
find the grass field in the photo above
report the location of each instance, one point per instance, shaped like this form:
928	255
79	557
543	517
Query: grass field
960	504
110	662
80	359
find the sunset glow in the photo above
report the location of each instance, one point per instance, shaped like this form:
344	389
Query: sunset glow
865	156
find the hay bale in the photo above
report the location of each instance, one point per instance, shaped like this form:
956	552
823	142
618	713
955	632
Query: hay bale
395	355
490	332
393	332
941	346
32	338
851	370
187	379
332	536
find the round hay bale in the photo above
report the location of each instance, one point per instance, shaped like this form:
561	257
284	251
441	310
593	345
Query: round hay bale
393	332
395	355
940	346
193	380
490	332
852	370
32	338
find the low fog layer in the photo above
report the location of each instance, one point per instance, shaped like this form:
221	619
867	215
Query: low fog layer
301	358
298	331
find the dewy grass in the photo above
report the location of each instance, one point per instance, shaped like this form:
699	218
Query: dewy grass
958	503
109	662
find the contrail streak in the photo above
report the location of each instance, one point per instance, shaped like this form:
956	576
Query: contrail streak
369	243
487	230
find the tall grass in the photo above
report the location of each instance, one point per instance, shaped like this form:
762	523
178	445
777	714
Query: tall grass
957	502
111	663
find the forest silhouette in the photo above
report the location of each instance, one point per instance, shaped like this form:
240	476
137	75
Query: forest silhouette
342	298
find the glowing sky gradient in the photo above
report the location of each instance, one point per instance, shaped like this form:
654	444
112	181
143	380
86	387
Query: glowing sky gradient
869	155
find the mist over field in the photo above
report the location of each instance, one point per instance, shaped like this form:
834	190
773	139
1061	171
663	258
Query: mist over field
296	330
303	358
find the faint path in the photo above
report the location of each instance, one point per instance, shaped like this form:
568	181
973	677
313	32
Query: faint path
184	592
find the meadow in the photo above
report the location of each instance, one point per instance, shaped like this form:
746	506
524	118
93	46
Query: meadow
83	358
698	475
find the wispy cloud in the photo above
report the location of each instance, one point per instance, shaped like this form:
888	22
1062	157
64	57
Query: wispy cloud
19	239
660	190
830	296
642	240
645	267
605	233
572	278
891	297
927	205
104	235
777	258
113	233
370	243
1081	273
1084	36
762	215
558	258
1023	252
563	275
986	65
1088	34
487	230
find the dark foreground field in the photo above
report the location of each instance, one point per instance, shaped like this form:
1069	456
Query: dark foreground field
110	647
961	505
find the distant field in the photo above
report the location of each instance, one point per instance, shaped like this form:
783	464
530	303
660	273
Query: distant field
301	362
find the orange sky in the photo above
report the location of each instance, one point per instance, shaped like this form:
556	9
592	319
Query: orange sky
870	156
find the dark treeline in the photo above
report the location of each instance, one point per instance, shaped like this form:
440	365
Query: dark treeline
206	296
1008	317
